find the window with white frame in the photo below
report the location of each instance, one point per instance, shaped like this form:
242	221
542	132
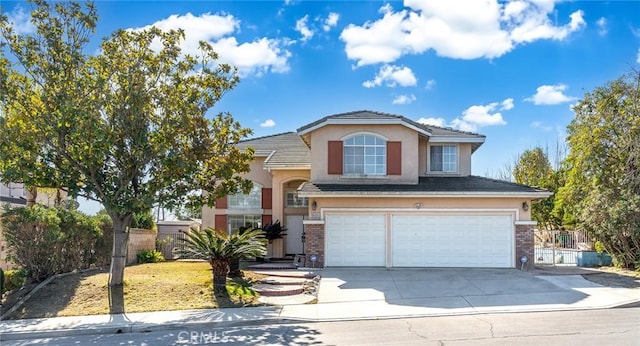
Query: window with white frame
443	158
294	201
365	154
247	221
253	200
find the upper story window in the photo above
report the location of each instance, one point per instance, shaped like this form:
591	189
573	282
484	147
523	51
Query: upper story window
365	154
251	201
443	158
296	202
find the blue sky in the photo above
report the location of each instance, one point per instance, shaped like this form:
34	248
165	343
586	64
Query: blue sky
508	70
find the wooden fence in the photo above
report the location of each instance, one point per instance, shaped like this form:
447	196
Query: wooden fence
140	239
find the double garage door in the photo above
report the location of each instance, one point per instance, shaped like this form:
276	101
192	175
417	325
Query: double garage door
419	240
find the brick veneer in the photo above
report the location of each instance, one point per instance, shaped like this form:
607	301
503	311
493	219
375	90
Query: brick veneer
524	245
314	243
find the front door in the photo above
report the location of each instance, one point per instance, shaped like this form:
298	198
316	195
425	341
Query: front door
294	234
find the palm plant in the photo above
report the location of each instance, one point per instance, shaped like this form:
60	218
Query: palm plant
218	248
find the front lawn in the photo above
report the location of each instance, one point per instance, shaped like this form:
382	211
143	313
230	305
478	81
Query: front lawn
147	287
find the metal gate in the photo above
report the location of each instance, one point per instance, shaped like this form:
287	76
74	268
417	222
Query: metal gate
560	247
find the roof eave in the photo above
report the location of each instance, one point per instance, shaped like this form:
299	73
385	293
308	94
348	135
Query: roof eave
289	167
413	194
365	121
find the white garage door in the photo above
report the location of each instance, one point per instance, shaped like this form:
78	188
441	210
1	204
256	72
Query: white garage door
355	240
452	241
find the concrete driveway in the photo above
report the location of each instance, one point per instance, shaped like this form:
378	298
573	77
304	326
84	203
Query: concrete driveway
364	293
445	287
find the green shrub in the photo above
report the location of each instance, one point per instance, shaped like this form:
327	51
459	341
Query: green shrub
150	256
49	241
143	220
599	247
14	279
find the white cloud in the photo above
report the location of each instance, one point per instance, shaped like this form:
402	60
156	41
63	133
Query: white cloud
331	21
542	126
463	29
392	76
602	26
21	21
507	104
433	121
404	99
475	117
256	57
478	116
303	29
550	95
431	83
268	123
638	59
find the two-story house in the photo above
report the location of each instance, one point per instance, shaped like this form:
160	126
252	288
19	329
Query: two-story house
376	189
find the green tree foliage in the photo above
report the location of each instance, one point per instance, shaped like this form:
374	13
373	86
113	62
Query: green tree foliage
603	185
48	241
143	219
127	127
533	168
218	248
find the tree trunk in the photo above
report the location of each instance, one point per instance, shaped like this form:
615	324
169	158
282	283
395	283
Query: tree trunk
119	253
118	262
220	270
32	195
234	267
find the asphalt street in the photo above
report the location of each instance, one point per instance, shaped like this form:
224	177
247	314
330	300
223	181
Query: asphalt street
586	327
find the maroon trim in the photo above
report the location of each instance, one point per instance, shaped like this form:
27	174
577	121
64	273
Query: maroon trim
335	157
394	158
221	203
266	198
221	223
266	219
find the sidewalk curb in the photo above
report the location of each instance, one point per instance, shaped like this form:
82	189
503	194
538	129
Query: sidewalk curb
135	327
142	327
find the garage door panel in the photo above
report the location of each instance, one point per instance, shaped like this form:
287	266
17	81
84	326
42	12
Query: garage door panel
355	240
452	241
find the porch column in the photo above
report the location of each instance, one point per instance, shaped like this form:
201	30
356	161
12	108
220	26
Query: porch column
314	242
525	244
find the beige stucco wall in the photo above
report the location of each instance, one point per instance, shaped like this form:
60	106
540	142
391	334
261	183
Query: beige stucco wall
464	158
432	203
319	148
281	178
257	174
274	180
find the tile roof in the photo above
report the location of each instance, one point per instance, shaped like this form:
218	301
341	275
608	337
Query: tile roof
469	185
373	115
284	150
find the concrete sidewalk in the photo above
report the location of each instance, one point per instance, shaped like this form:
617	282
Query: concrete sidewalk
344	295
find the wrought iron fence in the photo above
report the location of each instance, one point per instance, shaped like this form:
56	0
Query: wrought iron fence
560	247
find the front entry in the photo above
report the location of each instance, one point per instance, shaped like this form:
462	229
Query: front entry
294	234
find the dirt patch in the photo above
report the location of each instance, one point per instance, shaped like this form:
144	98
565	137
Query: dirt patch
615	277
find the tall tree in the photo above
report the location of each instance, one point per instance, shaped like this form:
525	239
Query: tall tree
602	188
127	127
533	168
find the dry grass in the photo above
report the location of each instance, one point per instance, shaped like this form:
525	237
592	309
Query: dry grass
616	277
147	287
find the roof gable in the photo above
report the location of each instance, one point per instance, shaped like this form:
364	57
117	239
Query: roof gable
435	133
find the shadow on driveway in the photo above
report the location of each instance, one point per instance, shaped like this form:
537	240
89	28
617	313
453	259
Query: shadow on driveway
443	288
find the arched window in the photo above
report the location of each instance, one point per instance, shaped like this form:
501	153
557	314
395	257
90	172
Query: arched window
365	154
